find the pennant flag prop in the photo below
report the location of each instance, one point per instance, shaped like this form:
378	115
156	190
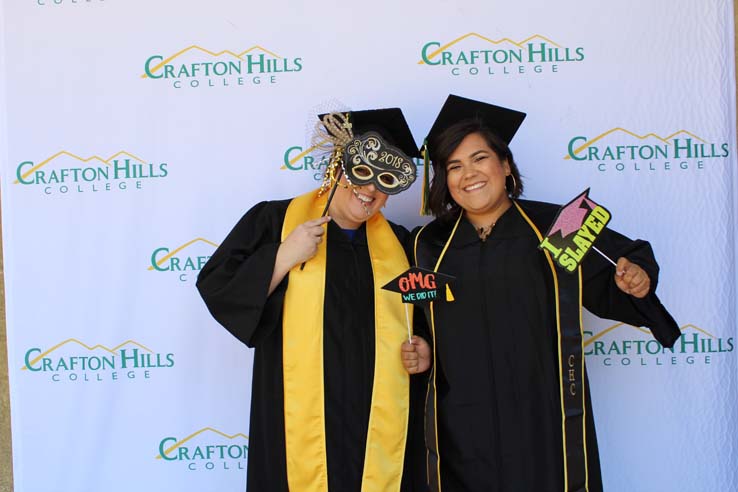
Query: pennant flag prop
421	286
574	232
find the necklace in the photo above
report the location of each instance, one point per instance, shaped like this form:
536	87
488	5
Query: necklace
485	231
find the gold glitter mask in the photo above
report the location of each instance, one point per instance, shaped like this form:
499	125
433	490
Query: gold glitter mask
369	159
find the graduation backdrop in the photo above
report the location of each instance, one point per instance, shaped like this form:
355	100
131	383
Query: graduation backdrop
135	134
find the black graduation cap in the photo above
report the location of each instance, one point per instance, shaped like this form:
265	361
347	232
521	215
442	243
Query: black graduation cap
390	123
420	286
502	121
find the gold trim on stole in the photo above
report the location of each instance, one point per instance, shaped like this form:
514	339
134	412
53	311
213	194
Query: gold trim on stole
584	390
561	375
302	365
433	334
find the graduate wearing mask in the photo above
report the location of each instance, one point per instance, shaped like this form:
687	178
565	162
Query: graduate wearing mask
331	402
508	405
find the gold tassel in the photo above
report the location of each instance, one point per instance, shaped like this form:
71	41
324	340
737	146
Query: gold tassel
424	204
449	295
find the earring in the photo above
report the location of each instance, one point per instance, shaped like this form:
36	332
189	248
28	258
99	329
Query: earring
515	184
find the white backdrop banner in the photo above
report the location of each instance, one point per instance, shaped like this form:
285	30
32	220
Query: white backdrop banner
134	134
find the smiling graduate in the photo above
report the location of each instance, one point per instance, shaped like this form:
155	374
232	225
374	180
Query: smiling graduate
508	405
330	406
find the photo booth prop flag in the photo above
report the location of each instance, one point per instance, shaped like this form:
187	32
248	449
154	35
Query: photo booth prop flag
419	286
574	231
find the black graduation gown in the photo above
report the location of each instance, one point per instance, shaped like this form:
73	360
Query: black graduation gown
234	285
498	400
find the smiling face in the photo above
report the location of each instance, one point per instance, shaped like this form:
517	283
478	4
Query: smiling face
475	177
352	206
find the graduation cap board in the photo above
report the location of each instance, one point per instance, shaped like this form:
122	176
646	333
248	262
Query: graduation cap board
504	122
420	286
574	231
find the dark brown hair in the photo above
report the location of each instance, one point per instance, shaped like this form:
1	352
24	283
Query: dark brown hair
444	144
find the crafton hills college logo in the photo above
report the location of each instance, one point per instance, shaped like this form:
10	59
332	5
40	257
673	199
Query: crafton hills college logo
623	150
206	449
297	159
196	67
66	173
475	55
184	261
74	361
69	3
311	160
626	345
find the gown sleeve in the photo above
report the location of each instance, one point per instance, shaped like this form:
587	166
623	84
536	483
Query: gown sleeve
235	281
602	297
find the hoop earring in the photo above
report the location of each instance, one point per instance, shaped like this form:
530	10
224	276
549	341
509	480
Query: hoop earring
515	185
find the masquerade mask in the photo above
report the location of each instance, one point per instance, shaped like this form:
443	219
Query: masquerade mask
369	159
364	156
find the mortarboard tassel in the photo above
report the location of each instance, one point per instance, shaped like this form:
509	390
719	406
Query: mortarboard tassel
425	205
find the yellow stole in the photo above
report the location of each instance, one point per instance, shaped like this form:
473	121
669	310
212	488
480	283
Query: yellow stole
302	364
